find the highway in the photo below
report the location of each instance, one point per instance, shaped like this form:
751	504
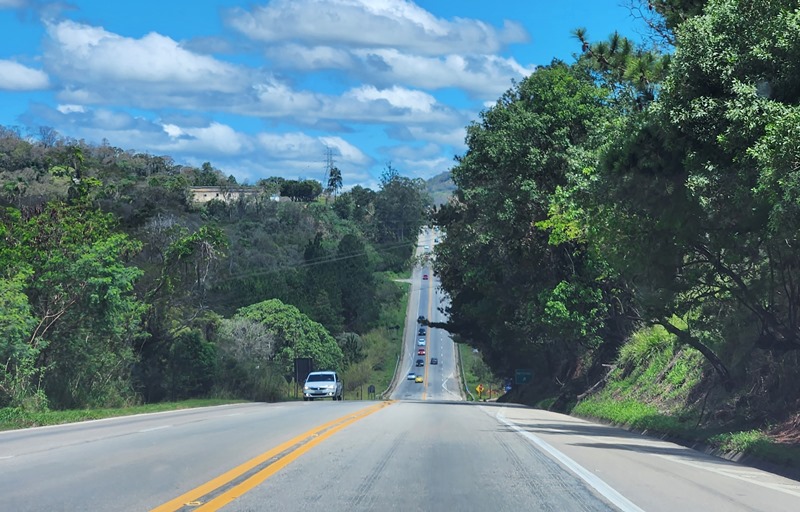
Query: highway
440	381
424	449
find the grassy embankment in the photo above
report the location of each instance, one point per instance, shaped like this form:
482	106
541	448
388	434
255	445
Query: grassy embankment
382	347
14	418
474	371
660	388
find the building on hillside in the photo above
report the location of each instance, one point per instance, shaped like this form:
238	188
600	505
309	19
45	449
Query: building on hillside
226	194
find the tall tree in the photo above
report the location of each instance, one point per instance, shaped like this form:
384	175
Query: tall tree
80	292
519	293
335	180
400	207
295	335
689	201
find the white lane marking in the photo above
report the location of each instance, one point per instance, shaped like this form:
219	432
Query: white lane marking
584	474
444	386
787	488
4	457
720	467
162	427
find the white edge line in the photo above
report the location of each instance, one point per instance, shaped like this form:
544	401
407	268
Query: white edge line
117	418
587	476
162	427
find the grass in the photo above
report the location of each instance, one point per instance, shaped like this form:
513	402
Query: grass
649	391
634	414
382	346
16	418
474	371
741	442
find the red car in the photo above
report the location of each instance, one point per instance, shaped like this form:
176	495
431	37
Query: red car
424	277
421	352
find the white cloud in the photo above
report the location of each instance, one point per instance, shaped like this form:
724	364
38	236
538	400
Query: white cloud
66	109
451	136
374	80
307	58
370	23
88	56
479	74
16	77
348	152
397	97
278	99
215	139
12	4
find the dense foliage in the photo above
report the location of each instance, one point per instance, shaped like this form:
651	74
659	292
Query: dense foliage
633	189
116	287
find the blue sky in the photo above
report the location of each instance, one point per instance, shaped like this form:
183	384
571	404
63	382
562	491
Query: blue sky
268	88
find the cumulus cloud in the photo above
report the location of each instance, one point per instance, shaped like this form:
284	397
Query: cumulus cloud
397	97
346	151
370	23
385	42
16	77
215	138
334	69
87	57
482	75
309	58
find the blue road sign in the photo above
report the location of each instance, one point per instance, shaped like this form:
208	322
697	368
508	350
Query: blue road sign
522	376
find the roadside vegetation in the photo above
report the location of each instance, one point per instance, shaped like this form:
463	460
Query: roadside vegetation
474	372
626	227
119	289
12	418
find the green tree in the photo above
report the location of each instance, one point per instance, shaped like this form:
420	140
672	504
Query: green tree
335	181
81	293
295	335
524	287
352	348
400	207
688	205
356	284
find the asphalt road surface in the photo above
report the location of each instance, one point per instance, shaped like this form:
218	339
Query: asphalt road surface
440	380
425	450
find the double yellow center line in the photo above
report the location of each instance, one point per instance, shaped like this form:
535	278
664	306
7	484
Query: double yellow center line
225	488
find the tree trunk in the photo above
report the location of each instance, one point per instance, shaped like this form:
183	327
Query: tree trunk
687	339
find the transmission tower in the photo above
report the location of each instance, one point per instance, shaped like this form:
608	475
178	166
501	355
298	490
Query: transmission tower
328	166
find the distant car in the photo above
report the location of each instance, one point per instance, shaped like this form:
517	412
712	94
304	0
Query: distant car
419	379
420	362
411	376
434	360
421	342
421	331
420	319
427	247
436	241
424	277
323	385
421	352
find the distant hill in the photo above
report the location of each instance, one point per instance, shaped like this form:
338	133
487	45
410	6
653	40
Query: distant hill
441	187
